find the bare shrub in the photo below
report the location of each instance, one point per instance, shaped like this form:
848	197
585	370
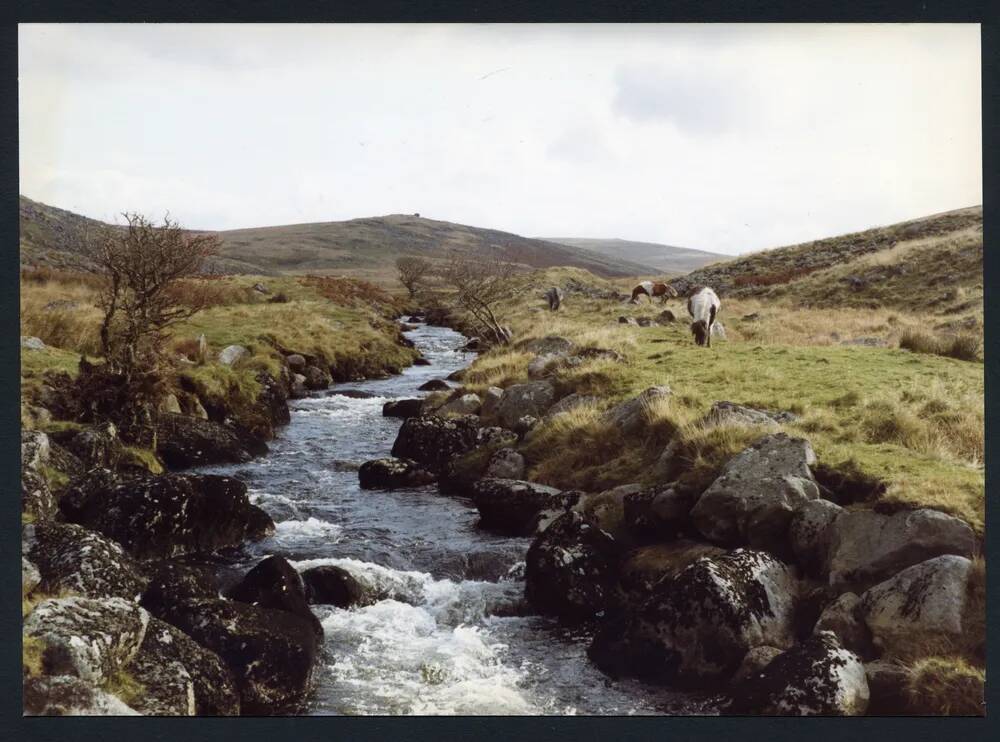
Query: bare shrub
412	272
141	266
481	287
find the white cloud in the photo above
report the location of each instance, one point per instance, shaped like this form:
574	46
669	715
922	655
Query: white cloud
726	138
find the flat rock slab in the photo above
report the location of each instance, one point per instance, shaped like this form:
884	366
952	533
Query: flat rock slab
867	547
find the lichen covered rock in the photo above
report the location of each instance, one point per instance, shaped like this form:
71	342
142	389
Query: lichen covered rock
631	416
270	653
171	515
531	399
818	677
181	677
434	441
510	505
65	695
72	559
88	638
923	605
753	499
183	441
697	625
867	547
390	473
570	569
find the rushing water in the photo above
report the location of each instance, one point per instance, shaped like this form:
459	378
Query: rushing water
453	635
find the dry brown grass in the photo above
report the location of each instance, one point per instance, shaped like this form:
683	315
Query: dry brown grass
964	347
946	686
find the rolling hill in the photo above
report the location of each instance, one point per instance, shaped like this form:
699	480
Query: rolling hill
364	247
665	258
933	265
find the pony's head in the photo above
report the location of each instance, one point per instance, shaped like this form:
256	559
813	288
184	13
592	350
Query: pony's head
700	331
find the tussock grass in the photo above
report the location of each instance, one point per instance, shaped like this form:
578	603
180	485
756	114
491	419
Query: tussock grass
946	686
124	686
964	347
32	661
498	367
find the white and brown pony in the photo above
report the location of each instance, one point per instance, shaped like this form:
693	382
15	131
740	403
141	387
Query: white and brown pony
652	289
704	306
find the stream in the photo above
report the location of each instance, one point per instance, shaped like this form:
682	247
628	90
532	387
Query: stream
453	636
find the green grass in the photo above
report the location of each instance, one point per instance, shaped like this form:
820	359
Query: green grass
912	421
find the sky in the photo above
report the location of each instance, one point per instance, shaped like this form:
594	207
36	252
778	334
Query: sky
728	138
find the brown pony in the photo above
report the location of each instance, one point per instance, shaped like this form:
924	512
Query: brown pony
651	289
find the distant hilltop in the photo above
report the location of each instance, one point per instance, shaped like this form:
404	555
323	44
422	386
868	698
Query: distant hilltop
666	258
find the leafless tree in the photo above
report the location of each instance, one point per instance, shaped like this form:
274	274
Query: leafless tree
480	287
412	272
142	265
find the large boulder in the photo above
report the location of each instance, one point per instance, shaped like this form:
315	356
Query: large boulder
570	569
631	416
270	653
810	533
183	441
273	400
402	408
641	568
233	354
887	686
172	583
467	404
506	463
388	474
95	445
37	500
511	506
754	497
92	639
545	365
922	606
316	377
72	559
550	344
723	413
696	626
171	515
570	402
328	584
843	618
607	510
491	402
435	385
35	448
867	547
434	441
818	677
658	513
520	400
276	584
65	695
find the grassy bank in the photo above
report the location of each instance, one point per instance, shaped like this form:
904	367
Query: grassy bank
907	425
345	323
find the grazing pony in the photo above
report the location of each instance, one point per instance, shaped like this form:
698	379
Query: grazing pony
653	288
703	306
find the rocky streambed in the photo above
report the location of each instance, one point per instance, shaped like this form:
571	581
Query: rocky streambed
388	555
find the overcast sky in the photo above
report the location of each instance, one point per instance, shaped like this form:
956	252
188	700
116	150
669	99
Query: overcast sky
725	138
